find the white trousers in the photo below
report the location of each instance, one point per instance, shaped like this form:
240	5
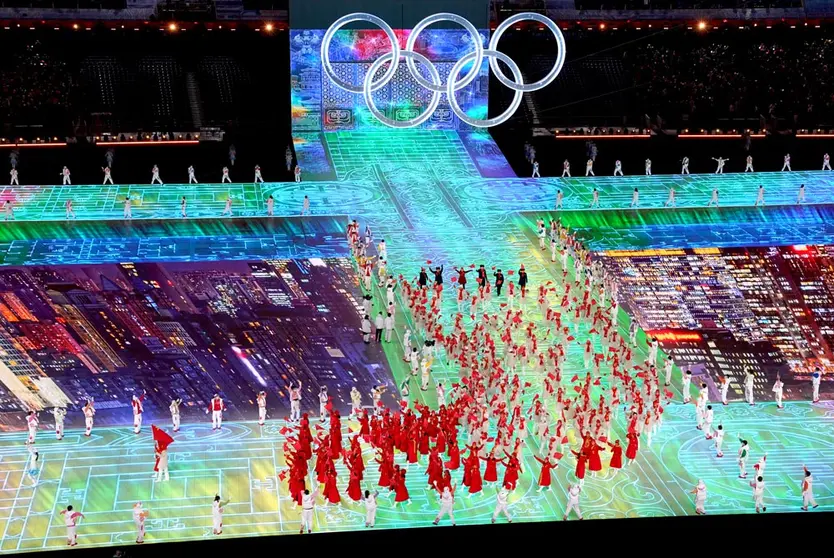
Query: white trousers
499	509
162	472
88	421
261	415
140	531
307	520
573	506
216	419
137	422
59	430
445	509
175	419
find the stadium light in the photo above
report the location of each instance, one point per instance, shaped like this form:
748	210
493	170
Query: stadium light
702	25
172	27
269	27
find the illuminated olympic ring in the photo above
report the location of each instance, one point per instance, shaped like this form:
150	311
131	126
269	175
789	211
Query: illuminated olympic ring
435	84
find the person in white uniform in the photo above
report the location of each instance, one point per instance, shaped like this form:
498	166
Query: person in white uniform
308	505
59	413
574	490
71	518
447	505
217	515
700	492
501	498
369	499
139	515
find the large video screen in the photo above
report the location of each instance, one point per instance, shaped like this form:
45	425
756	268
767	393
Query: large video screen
181	331
721	311
319	105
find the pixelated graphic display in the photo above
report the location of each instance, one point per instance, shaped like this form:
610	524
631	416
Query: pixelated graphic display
185	331
294	315
724	311
318	104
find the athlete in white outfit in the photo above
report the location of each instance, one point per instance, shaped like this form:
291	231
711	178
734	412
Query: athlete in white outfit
501	498
748	166
59	413
618	168
174	407
760	196
217	515
573	501
685	165
71	518
808	490
670	201
369	499
786	165
308	504
139	515
721	161
108	176
155	175
700	492
447	505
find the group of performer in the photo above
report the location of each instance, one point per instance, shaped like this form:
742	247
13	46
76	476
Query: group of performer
720	162
671	200
489	416
66	175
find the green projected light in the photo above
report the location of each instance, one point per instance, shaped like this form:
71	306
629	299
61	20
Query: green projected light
425	195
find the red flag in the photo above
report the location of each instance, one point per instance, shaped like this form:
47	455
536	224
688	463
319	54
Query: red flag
161	438
472	266
577	389
668	394
565	440
558	455
454	279
596	382
510	272
428	262
575	377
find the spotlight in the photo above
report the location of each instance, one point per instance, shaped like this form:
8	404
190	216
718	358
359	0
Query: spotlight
602	26
269	27
172	27
75	26
702	25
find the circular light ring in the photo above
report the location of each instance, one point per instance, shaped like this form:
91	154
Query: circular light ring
435	96
325	52
492	55
560	56
476	40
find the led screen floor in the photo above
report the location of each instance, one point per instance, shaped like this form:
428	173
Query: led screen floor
424	215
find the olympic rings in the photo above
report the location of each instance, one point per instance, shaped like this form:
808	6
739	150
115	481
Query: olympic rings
435	84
